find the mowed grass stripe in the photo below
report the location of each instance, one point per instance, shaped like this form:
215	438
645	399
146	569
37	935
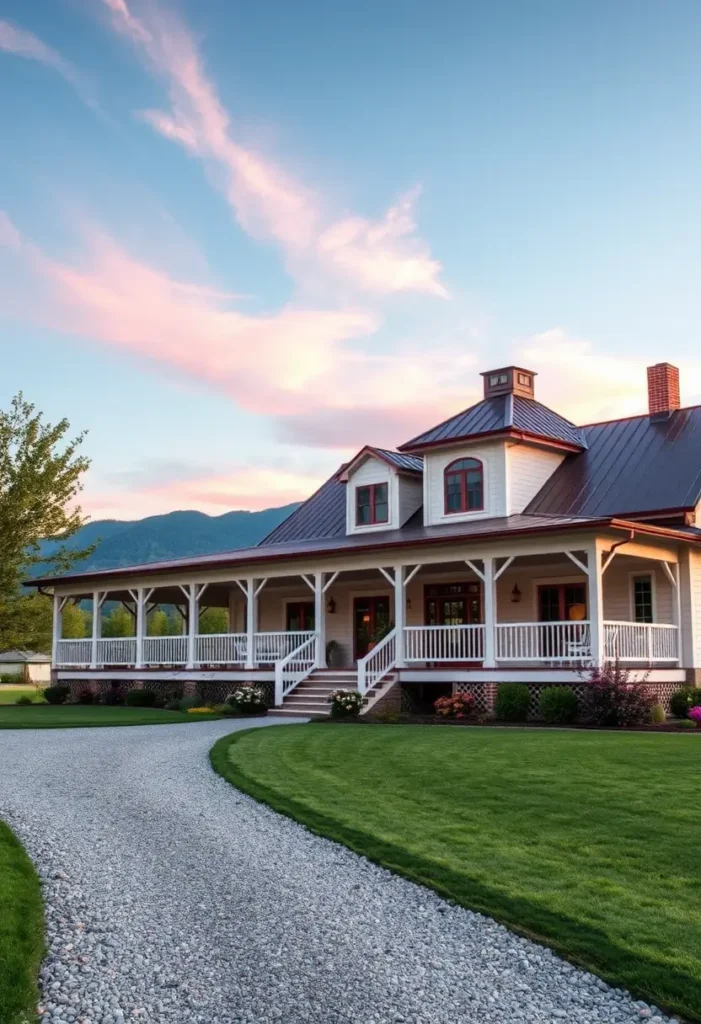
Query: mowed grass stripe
585	840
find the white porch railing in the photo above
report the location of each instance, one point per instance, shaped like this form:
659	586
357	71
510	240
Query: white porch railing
271	647
116	651
221	649
165	650
645	642
543	641
294	668
74	652
444	643
378	662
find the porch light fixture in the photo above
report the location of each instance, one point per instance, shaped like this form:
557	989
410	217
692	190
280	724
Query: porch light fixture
516	594
331	606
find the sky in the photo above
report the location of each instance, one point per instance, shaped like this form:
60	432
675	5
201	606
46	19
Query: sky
240	241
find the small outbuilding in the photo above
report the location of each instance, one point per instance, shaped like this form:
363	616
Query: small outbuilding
29	666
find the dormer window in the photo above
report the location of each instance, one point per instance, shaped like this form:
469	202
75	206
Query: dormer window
464	486
371	505
525	379
496	379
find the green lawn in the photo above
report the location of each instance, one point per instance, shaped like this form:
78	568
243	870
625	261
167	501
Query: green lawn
10	693
21	931
588	841
64	716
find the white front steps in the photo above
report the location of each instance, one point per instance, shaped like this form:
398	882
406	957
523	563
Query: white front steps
310	698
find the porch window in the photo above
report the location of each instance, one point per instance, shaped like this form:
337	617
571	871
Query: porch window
371	505
643	599
464	486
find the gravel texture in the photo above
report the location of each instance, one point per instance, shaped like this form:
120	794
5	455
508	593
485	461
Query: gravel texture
171	897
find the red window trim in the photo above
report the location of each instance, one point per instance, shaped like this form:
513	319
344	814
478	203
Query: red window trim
374	521
462	473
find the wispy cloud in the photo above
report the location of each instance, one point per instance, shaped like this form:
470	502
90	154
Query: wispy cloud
295	366
382	257
233	486
21	43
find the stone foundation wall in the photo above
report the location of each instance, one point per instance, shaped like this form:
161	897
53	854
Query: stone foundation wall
390	703
214	692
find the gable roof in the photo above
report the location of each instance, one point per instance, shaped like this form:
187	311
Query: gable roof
15	657
634	466
413	464
504	414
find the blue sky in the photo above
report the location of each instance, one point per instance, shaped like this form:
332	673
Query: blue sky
238	241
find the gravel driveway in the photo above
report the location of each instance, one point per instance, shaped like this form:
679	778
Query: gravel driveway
172	897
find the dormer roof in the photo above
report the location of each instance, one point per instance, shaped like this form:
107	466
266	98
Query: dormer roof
510	415
411	464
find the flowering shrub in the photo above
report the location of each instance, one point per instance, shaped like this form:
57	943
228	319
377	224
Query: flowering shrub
695	715
611	698
247	700
345	703
199	711
458	705
683	699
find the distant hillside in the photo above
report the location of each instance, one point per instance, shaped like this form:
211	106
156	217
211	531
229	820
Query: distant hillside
175	535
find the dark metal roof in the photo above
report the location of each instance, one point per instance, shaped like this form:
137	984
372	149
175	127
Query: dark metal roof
631	467
412	463
322	515
496	415
413	532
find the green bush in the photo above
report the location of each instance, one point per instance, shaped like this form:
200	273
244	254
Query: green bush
56	694
686	723
191	702
511	704
9	677
558	705
86	696
657	714
685	698
173	704
24	701
140	699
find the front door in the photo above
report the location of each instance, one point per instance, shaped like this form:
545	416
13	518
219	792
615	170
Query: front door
300	617
371	619
452	604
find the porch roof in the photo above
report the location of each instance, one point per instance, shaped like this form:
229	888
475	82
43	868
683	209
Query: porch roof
413	533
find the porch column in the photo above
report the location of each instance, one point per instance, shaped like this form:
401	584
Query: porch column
97	600
57	629
191	593
399	616
490	616
320	619
251	623
140	627
596	604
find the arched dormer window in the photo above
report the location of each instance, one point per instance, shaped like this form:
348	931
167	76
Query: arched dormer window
464	486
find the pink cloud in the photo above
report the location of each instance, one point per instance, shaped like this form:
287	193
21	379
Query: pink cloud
25	44
239	487
382	257
295	365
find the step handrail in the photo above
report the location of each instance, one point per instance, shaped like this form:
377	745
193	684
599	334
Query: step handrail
375	665
294	668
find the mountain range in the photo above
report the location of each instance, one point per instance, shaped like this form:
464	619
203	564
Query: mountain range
174	535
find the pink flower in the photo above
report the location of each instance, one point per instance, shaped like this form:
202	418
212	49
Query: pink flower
695	714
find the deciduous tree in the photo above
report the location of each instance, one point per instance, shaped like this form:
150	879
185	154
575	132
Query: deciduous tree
40	478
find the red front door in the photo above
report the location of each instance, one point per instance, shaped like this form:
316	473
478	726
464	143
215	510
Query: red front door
370	622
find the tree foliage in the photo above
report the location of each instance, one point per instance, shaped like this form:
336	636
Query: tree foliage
119	622
214	620
40	478
77	623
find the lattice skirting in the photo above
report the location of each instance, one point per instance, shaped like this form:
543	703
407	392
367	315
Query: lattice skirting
485	693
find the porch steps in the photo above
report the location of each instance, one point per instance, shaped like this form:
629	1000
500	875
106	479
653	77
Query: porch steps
310	698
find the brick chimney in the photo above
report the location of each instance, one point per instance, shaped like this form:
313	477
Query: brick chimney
662	389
